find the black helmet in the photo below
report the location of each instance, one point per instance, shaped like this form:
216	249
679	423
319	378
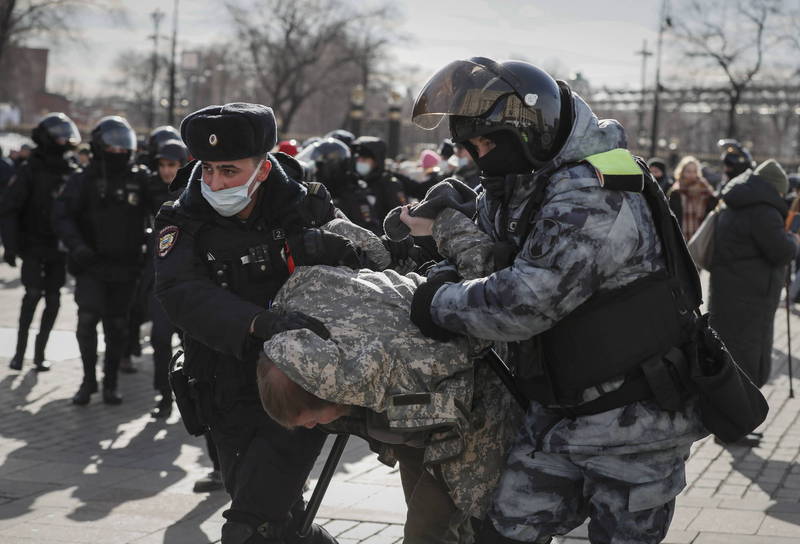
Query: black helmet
342	135
329	160
113	131
56	132
159	136
446	148
735	156
481	96
173	150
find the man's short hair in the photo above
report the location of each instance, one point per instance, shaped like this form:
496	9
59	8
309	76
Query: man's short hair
282	398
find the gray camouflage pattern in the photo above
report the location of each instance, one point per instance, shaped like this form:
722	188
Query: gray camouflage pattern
630	499
377	358
364	239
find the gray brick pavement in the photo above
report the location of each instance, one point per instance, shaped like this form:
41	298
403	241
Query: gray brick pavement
111	474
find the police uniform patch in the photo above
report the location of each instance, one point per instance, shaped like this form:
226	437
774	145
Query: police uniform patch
545	237
166	240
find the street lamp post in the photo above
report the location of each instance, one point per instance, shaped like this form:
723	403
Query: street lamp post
157	16
357	100
171	112
393	140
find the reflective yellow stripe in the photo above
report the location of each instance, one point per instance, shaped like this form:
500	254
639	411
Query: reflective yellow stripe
617	162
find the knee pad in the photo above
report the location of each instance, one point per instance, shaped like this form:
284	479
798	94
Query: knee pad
87	321
52	299
32	295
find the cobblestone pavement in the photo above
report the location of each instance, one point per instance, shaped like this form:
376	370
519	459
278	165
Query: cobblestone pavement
112	474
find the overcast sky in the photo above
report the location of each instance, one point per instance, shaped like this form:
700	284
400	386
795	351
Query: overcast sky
597	38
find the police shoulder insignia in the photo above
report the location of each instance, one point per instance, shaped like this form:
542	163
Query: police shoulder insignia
166	240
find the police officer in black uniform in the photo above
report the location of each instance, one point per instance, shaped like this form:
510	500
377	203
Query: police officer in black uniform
27	230
736	158
330	162
384	191
100	216
224	249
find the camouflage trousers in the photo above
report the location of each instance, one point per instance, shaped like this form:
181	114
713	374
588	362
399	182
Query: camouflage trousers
627	498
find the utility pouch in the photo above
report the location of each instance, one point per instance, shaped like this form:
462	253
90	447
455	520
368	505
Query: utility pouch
184	397
730	404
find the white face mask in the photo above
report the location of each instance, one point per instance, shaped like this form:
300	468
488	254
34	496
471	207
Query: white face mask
463	161
363	168
228	202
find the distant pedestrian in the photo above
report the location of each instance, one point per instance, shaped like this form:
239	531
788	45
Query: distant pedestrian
751	251
691	197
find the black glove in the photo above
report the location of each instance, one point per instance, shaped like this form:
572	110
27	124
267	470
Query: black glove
421	308
398	250
450	193
317	246
266	324
84	256
10	258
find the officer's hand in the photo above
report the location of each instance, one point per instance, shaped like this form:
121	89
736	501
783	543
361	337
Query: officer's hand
269	323
317	246
84	256
421	309
10	258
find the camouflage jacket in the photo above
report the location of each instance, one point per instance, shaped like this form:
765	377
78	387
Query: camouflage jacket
376	358
585	240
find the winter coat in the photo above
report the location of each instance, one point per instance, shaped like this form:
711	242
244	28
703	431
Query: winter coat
751	251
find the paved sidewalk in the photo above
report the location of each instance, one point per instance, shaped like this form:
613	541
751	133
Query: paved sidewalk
113	475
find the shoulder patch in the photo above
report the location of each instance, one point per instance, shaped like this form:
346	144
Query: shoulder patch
166	240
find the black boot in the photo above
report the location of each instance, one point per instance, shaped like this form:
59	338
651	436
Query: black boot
28	307
211	482
110	396
163	407
40	364
51	305
84	394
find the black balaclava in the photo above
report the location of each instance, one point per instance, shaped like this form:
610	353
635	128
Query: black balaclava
114	163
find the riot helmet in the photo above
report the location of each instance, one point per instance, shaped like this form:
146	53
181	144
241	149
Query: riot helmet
173	150
113	142
514	101
329	161
159	136
735	157
56	133
342	135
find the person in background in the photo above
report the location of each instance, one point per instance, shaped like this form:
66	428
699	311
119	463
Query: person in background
659	170
751	251
691	197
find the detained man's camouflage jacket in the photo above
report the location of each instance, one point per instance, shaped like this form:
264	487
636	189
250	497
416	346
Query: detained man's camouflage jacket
377	358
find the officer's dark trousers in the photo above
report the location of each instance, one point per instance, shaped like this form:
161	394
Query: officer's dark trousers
42	277
161	340
264	467
432	517
108	302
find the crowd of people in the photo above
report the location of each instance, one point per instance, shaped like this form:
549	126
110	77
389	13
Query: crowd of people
450	310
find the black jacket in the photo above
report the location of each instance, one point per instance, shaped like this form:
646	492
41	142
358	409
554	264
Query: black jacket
751	251
204	286
26	206
108	215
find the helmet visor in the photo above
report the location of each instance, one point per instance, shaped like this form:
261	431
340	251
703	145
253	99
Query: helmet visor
461	88
64	133
119	136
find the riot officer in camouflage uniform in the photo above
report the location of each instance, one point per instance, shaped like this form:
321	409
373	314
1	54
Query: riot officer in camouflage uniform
594	300
100	216
224	249
27	230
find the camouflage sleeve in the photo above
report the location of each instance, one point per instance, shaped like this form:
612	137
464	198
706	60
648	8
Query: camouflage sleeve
460	241
364	239
580	239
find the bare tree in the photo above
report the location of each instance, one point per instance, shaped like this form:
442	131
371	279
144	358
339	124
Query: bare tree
299	48
730	36
22	19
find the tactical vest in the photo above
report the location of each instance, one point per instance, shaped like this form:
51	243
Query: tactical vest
251	261
630	332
